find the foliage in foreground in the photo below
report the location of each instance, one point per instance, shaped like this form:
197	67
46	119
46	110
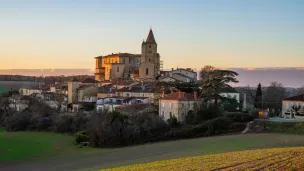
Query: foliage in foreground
265	159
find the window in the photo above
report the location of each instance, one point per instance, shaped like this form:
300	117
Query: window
163	114
183	105
147	71
171	105
117	69
129	60
149	46
149	59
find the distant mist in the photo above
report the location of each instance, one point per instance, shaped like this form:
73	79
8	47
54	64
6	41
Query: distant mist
46	72
289	77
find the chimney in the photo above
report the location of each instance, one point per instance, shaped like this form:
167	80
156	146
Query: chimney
195	95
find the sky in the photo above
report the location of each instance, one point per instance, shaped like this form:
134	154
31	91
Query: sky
37	34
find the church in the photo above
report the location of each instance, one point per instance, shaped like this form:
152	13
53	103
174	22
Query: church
144	66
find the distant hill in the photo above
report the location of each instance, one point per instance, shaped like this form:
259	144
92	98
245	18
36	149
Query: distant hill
289	77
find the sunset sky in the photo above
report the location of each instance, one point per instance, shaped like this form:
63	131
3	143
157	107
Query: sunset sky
39	34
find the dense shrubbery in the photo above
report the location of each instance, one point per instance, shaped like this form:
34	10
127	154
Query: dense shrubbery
114	129
81	137
239	117
203	113
254	113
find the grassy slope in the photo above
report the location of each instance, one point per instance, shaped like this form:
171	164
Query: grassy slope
266	159
286	127
95	159
3	90
28	145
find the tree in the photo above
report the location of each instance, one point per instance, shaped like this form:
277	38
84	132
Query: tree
273	96
300	91
258	97
215	79
230	105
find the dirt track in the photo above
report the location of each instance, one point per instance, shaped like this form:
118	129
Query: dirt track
107	158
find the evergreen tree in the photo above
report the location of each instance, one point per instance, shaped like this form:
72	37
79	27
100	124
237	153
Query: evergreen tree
258	97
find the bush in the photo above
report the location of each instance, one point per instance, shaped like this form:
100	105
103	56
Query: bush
218	125
18	121
63	123
178	133
237	126
114	129
209	112
254	113
239	117
172	121
81	137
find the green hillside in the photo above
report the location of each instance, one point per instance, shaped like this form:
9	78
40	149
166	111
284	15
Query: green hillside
3	90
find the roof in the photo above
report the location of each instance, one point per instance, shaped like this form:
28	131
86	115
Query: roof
295	98
120	55
150	38
82	87
89	80
139	106
25	98
187	69
180	96
166	76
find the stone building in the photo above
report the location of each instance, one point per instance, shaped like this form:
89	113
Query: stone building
130	66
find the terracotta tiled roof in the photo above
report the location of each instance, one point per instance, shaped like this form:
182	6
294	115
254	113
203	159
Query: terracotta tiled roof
295	98
150	38
180	96
89	80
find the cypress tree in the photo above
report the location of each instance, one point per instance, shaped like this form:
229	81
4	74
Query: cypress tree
258	97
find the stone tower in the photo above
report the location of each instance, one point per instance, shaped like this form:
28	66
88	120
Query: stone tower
73	85
150	59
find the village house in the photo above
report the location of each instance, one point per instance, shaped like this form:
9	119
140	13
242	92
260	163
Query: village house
293	107
19	102
178	105
59	89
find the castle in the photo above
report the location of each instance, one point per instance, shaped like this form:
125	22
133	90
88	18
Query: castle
130	66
